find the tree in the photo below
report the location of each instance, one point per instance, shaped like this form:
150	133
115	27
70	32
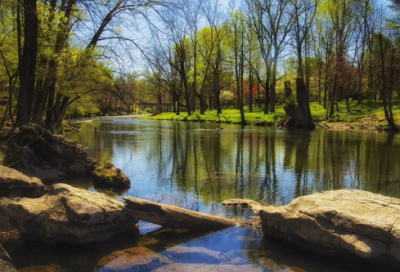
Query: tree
303	13
27	67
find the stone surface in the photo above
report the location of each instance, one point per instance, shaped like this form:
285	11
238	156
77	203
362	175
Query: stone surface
67	214
47	268
15	184
7	266
183	254
172	216
208	267
109	175
343	222
36	152
132	258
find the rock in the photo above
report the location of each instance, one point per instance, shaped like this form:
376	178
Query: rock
47	268
182	254
208	267
172	216
15	184
6	266
109	175
132	258
36	152
351	223
67	214
4	255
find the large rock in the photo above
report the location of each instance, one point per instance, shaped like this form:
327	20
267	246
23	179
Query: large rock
36	152
7	266
109	175
67	214
343	222
15	184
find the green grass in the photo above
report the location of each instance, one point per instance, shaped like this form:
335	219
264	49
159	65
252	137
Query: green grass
227	116
318	113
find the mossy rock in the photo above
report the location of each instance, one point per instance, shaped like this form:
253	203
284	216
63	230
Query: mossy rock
109	175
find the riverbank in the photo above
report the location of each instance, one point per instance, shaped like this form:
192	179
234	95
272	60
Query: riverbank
361	117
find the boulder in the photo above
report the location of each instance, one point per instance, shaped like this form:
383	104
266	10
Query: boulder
36	152
15	184
7	266
109	175
133	259
67	214
350	223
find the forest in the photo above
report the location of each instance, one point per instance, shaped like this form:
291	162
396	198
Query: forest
69	58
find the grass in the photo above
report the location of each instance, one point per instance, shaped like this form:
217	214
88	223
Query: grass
367	114
227	116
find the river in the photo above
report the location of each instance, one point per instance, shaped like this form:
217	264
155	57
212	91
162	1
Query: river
198	165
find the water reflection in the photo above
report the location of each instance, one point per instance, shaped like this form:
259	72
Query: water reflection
196	165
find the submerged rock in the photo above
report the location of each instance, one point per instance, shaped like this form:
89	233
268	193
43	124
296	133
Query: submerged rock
343	222
208	267
182	254
15	184
47	268
109	175
132	258
35	151
67	214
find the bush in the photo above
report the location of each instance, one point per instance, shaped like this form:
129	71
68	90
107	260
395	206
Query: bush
148	110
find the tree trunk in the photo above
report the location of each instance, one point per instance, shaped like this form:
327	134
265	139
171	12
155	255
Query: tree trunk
28	64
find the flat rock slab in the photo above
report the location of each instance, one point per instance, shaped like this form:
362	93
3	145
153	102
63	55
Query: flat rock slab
172	216
67	214
16	184
343	222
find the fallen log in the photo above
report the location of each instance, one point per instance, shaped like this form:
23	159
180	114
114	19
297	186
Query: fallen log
172	216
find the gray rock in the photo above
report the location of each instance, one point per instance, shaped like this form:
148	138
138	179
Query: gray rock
15	184
67	214
6	266
343	222
36	152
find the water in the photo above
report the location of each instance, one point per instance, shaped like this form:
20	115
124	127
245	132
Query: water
198	165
